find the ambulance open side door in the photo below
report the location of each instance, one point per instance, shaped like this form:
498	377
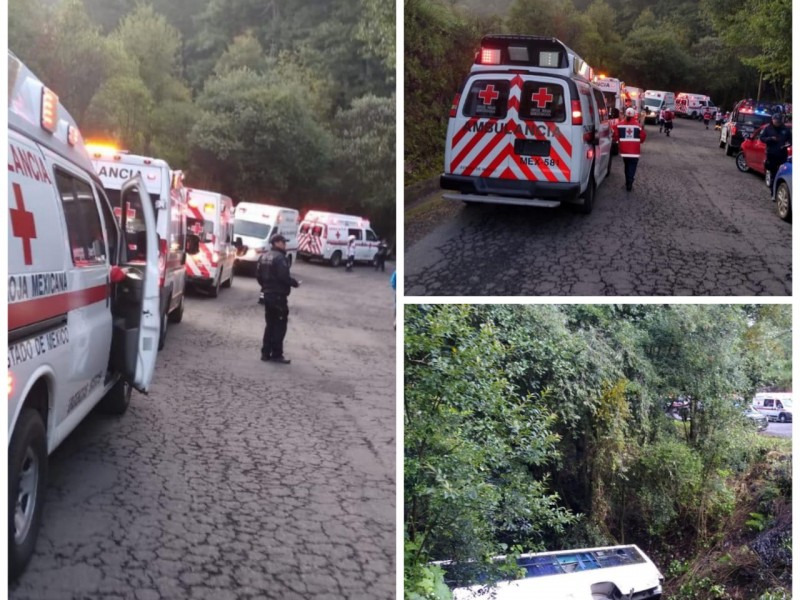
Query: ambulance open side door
136	303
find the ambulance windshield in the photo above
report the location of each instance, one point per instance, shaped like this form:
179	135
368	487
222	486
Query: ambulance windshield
653	102
251	229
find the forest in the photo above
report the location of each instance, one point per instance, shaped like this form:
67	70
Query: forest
547	427
285	102
728	49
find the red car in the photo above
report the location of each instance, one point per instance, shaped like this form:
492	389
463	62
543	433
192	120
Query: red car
753	153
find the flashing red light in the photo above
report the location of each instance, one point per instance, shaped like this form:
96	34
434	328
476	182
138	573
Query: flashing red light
49	116
454	106
490	56
162	262
577	115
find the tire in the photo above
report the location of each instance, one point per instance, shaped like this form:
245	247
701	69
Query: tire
117	400
741	163
305	258
768	178
229	281
728	150
783	201
214	289
162	334
336	259
176	316
27	478
588	195
782	418
721	143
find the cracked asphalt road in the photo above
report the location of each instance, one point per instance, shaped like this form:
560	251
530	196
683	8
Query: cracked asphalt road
693	225
234	478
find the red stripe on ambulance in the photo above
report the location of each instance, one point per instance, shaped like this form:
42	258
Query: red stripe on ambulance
28	312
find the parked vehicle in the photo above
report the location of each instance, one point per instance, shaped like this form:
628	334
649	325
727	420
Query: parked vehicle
256	223
776	406
83	296
166	192
755	418
528	127
610	573
782	192
752	155
746	117
324	235
692	106
655	101
210	246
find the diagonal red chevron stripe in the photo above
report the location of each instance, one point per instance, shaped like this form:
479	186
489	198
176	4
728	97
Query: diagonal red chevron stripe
487	149
463	131
476	138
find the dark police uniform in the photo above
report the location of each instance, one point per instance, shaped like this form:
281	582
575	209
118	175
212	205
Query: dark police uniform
276	283
776	139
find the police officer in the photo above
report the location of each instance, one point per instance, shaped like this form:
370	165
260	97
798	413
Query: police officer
276	283
777	138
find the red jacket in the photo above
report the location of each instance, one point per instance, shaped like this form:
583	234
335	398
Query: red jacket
631	136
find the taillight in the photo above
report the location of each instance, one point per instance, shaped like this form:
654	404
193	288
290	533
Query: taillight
10	383
162	262
733	130
215	257
490	56
577	115
454	106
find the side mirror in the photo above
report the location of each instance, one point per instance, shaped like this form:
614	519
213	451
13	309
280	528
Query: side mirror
238	242
192	244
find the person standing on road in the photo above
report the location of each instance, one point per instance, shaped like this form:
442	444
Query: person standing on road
272	273
351	252
777	138
669	116
380	256
631	136
661	119
706	117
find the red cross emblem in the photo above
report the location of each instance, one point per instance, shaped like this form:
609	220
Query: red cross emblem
338	235
489	94
542	98
131	212
23	224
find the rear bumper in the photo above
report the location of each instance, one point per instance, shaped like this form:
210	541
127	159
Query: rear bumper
508	191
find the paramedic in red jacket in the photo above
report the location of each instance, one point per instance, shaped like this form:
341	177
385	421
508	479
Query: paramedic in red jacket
631	136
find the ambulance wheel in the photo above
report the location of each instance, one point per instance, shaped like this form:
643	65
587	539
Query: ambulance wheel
588	196
741	163
782	418
176	316
305	258
117	400
27	476
214	289
229	282
162	335
336	259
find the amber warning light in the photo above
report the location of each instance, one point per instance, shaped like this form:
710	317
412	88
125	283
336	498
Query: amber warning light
49	110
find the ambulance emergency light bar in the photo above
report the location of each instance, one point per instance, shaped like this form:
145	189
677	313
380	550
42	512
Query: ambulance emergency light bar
623	570
531	52
334	219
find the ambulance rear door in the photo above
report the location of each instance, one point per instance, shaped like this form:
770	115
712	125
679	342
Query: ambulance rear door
137	300
512	126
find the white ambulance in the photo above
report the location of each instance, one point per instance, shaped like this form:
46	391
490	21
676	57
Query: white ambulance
528	128
776	406
83	296
325	235
655	101
609	573
210	246
165	189
692	106
256	223
612	89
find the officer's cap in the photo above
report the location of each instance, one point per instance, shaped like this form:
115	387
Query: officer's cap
277	238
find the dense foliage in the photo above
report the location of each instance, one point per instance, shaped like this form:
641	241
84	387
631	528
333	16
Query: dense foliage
728	49
533	427
284	102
